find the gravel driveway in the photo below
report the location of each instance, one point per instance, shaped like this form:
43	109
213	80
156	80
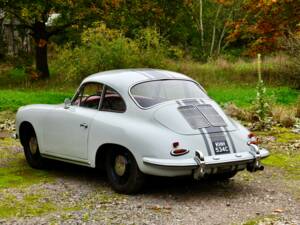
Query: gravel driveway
68	194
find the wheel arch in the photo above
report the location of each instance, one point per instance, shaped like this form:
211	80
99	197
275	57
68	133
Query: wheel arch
24	129
104	149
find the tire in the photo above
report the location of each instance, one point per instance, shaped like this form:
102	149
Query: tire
123	172
224	175
32	152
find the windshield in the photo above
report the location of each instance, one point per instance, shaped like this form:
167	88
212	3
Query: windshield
151	93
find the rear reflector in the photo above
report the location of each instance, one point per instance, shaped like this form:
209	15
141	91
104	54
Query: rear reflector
178	152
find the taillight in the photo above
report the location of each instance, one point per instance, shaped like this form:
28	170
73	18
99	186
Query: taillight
252	139
178	152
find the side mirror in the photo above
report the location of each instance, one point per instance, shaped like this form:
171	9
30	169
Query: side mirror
67	103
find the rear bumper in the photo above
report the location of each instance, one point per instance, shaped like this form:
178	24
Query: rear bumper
209	161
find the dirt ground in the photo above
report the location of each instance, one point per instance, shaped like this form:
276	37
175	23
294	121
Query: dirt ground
68	194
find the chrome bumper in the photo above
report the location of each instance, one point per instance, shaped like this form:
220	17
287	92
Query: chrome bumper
209	164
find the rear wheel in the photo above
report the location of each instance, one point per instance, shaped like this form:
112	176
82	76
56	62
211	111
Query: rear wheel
32	152
123	172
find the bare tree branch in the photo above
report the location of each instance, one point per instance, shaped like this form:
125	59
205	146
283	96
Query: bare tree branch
23	21
214	30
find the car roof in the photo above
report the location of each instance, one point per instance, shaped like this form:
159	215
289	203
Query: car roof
125	78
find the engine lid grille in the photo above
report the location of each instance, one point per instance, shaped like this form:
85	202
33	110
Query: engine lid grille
195	118
212	115
201	116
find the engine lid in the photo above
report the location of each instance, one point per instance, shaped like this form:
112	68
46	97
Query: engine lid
193	117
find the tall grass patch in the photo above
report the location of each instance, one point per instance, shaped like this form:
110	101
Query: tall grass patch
277	71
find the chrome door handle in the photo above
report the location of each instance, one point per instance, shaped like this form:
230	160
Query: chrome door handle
84	125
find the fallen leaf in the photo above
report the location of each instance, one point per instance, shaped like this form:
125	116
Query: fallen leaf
278	210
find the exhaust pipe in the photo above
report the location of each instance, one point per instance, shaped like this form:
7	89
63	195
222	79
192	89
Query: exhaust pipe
253	168
261	167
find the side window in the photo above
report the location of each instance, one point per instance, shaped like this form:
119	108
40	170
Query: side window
112	101
89	96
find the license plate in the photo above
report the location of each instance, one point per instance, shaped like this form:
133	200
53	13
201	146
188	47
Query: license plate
220	147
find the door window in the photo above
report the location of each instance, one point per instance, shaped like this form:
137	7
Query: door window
89	96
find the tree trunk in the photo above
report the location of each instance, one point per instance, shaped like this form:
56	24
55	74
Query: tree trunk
201	23
41	59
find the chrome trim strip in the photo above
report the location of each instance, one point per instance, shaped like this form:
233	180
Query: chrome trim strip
66	160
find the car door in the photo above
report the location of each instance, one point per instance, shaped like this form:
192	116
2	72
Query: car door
67	128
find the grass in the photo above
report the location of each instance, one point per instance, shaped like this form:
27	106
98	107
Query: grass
244	96
13	99
241	96
225	81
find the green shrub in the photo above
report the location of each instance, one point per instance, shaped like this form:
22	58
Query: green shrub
104	49
17	74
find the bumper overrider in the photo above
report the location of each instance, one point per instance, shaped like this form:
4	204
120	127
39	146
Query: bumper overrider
202	165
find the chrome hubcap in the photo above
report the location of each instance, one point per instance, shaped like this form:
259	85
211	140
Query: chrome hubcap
120	165
33	145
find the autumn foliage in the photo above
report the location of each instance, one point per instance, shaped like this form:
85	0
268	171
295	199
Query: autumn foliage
265	23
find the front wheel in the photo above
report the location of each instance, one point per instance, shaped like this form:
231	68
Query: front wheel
32	152
123	172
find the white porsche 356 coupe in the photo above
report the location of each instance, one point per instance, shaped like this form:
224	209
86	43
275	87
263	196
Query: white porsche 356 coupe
135	122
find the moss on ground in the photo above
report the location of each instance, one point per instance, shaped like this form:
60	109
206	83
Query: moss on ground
284	153
18	173
28	205
282	134
268	220
14	170
289	163
20	198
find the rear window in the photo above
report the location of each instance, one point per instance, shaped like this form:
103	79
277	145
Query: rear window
150	93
